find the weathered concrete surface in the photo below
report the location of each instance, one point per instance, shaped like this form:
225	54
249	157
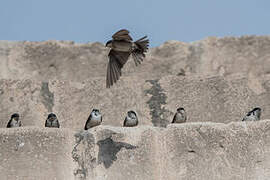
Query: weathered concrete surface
36	153
117	153
51	60
216	151
215	99
215	79
205	151
63	60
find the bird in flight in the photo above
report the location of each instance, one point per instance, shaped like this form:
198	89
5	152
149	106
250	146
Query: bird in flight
121	47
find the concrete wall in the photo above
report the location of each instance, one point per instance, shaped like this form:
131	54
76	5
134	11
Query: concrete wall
217	81
63	60
34	153
215	99
210	151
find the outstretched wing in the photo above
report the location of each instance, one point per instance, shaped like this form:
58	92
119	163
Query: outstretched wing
123	34
117	60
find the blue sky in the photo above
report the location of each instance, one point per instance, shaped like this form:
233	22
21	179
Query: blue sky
97	20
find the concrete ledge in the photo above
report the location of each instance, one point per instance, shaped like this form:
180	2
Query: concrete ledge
210	151
216	151
36	153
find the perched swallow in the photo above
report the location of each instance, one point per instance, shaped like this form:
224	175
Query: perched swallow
131	119
180	116
121	47
52	121
253	115
14	121
94	119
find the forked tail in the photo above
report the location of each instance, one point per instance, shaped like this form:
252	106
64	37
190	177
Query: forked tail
141	47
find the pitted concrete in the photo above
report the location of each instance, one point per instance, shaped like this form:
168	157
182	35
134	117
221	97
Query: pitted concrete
215	99
216	80
202	150
36	153
65	60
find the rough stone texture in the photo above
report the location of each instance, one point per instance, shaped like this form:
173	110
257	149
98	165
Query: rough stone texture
207	151
117	153
215	99
48	60
216	151
63	60
35	153
217	81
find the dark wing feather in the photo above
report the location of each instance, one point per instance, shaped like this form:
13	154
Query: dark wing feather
9	124
116	62
58	124
142	43
174	118
88	121
137	57
125	122
142	47
123	34
85	126
46	123
115	72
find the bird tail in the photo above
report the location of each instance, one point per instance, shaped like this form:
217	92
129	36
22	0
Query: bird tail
141	47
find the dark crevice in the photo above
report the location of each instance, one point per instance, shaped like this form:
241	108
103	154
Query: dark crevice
220	145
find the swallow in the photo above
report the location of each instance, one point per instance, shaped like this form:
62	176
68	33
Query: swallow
180	116
52	121
131	119
253	115
94	119
121	47
14	121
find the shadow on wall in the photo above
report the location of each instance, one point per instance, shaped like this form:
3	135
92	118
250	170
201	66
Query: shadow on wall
108	150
